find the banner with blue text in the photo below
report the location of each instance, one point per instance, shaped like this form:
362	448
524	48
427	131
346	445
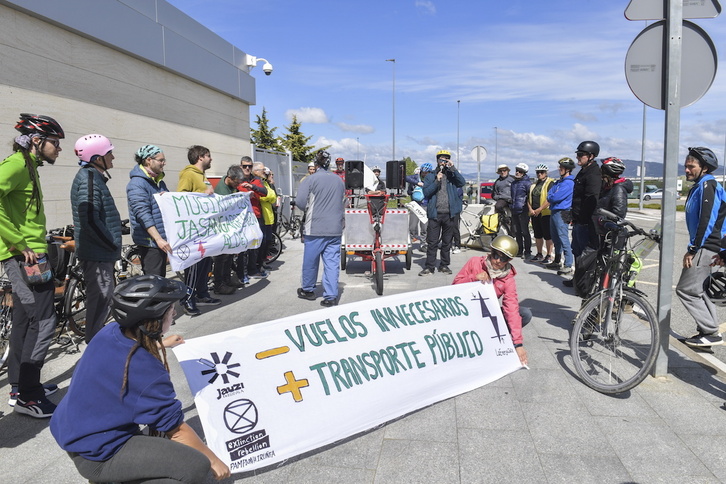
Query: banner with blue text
271	391
199	225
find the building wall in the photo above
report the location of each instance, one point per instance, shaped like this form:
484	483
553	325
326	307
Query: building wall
91	87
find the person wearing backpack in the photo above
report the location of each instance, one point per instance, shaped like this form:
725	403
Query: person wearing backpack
416	228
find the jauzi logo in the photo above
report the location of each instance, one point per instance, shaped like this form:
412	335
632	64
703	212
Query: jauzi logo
230	390
219	367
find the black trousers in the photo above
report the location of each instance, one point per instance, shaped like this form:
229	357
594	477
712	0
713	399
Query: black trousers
441	227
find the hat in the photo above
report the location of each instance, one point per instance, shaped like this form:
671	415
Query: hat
502	167
312	163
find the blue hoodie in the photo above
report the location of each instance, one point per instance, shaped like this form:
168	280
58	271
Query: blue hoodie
705	212
560	195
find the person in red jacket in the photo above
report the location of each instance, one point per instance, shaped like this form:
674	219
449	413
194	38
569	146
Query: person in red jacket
496	269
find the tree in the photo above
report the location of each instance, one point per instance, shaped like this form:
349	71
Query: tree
410	165
264	136
296	142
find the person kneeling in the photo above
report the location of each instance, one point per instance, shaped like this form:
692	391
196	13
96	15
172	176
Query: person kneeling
121	383
496	269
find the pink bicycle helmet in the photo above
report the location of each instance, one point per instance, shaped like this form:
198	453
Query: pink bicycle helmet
92	145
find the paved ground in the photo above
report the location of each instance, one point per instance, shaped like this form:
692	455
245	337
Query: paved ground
540	425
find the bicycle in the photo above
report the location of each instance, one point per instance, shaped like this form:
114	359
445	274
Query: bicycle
614	341
70	291
129	265
6	320
292	225
479	229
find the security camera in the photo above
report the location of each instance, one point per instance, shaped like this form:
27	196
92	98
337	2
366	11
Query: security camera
267	68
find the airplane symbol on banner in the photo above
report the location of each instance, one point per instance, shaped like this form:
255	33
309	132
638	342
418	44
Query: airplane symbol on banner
485	313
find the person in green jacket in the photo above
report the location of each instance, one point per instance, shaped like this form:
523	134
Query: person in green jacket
22	239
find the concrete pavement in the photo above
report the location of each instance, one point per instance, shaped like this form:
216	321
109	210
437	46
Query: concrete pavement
537	425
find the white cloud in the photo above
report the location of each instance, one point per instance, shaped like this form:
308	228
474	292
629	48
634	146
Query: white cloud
356	128
426	7
307	115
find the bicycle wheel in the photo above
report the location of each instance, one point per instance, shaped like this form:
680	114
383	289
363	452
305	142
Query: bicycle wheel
378	273
619	362
6	323
343	259
282	225
295	227
274	249
74	306
409	258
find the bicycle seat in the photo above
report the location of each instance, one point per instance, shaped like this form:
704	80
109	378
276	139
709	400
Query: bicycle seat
69	245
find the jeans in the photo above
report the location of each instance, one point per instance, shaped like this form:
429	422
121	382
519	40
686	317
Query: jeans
327	247
561	237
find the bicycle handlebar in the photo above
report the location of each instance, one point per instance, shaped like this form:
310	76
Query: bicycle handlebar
620	223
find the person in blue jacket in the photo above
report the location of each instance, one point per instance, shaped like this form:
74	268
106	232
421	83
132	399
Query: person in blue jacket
97	227
147	225
705	213
444	204
520	211
560	198
121	383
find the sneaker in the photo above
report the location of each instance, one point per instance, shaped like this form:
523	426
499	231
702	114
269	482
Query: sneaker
423	248
246	280
554	265
208	301
49	388
303	294
260	275
426	272
224	289
327	302
456	250
701	339
565	271
527	257
536	258
40	408
568	283
445	269
190	308
546	260
235	282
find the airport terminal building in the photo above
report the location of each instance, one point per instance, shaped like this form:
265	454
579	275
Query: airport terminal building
138	71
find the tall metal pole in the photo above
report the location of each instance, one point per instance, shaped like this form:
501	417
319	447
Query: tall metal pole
496	148
642	163
458	110
672	75
394	107
357	148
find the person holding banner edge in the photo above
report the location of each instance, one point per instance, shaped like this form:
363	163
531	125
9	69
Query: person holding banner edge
147	225
125	366
497	270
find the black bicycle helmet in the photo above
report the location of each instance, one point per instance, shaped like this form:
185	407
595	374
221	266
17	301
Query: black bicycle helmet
715	288
144	297
322	159
613	167
705	156
589	147
42	125
567	163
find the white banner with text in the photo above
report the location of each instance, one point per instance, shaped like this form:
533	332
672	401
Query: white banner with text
199	225
270	391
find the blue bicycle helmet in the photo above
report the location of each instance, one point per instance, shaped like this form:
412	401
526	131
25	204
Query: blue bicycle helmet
427	168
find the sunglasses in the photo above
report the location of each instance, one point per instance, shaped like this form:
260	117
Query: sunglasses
496	255
246	166
580	154
54	142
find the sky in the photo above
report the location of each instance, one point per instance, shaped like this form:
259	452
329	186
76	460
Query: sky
527	80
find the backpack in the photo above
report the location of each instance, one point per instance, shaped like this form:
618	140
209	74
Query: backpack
586	278
490	224
417	194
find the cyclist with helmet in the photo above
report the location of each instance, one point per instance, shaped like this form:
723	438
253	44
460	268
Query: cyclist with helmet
539	212
321	197
416	228
22	240
560	200
705	213
502	195
520	212
125	371
614	192
340	168
444	205
585	195
97	227
496	269
147	225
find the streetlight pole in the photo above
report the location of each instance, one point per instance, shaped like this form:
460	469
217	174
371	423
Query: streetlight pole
357	148
394	107
496	148
458	117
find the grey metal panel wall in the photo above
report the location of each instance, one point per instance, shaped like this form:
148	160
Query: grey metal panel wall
154	31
